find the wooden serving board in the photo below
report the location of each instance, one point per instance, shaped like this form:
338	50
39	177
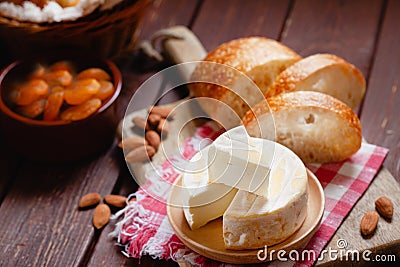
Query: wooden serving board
208	240
386	239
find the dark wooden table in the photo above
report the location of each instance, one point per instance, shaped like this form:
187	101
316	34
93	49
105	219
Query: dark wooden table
40	224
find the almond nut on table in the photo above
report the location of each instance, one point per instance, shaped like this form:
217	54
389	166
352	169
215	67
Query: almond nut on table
140	122
153	139
162	111
369	222
131	143
154	119
163	127
385	207
101	216
140	154
89	200
115	200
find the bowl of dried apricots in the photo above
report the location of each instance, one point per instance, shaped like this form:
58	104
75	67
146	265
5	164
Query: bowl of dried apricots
59	109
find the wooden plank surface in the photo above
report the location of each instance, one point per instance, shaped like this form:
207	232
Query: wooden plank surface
363	46
386	240
41	224
345	28
101	254
221	21
163	14
74	230
380	115
138	67
349	30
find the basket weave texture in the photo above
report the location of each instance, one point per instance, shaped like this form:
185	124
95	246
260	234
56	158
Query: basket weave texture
106	33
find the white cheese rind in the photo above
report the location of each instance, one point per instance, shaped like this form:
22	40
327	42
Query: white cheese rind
199	215
258	209
258	230
203	201
238	160
253	221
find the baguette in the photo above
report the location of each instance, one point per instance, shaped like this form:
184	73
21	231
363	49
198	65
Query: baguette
258	58
323	73
316	126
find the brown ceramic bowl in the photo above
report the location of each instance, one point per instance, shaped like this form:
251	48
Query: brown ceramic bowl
58	141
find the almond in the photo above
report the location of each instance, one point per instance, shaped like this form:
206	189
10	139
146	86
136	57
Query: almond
115	200
140	154
164	112
101	216
369	222
163	127
153	138
89	200
140	122
131	143
154	119
385	207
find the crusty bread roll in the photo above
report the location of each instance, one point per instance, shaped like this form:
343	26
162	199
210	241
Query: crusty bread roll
323	73
316	126
259	58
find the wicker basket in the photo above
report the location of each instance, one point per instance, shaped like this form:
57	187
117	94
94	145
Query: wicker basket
106	33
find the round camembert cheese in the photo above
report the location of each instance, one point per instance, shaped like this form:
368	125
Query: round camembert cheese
258	186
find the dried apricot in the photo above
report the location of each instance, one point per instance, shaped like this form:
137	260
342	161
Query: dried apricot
58	77
49	91
95	73
57	88
81	91
53	105
81	111
106	90
62	65
38	72
30	91
34	109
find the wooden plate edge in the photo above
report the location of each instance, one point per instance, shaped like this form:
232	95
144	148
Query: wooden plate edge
247	258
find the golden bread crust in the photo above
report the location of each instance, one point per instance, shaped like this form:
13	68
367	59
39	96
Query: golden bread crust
301	99
328	148
290	79
244	55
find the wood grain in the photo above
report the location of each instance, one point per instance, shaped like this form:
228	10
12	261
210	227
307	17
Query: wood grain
137	68
350	31
345	28
163	14
221	21
380	115
41	224
47	216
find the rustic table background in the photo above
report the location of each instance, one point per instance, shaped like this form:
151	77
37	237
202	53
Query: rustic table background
40	224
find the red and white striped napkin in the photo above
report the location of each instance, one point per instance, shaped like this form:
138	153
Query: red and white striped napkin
145	229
